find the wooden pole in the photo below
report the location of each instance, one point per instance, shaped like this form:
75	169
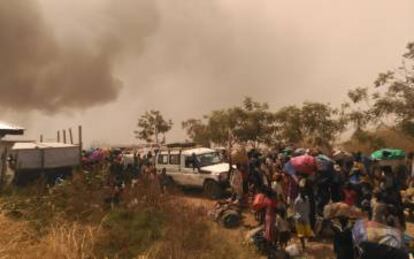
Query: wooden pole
58	136
64	136
41	138
70	136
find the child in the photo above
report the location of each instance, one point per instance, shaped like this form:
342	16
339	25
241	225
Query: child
277	186
302	209
236	183
283	228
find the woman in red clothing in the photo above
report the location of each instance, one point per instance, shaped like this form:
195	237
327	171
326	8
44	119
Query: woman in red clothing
270	217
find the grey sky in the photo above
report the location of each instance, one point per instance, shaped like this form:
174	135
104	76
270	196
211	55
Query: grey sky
187	57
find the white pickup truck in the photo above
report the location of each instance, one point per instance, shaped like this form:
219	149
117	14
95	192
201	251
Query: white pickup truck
195	167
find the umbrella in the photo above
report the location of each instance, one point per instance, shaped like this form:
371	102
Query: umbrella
377	233
304	164
388	154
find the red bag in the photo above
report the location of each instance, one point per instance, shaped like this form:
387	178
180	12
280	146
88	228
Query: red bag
259	201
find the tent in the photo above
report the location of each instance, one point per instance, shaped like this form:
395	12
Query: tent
388	154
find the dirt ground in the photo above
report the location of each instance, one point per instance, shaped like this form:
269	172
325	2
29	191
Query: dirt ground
315	249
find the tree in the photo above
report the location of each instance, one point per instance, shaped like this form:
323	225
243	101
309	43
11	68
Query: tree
250	123
197	131
221	124
289	125
313	124
321	123
255	124
392	99
151	125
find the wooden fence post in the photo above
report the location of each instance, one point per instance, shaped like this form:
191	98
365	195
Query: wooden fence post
70	136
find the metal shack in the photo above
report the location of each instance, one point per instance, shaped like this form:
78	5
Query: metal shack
52	160
32	156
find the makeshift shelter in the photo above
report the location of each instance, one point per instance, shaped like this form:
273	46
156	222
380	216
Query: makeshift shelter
393	158
6	129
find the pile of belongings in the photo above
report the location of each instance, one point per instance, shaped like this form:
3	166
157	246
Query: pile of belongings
304	164
324	163
227	213
341	209
341	155
256	238
239	156
377	240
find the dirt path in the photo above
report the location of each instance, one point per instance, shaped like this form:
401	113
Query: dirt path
315	250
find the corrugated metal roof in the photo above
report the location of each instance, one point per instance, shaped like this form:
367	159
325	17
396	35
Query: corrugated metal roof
9	129
43	145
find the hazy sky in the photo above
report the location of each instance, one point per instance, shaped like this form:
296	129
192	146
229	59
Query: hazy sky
102	63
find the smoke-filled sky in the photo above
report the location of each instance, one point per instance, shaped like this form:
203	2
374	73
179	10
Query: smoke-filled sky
102	63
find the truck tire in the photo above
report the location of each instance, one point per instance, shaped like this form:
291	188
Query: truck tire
213	190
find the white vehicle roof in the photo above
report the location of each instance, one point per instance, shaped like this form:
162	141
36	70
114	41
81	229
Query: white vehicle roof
43	145
198	151
189	152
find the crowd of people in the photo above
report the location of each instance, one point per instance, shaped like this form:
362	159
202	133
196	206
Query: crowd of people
289	199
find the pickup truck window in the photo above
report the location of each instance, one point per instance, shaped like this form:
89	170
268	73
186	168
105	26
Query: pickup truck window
205	159
188	162
174	159
208	159
163	159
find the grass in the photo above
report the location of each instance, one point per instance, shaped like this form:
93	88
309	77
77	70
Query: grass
72	221
129	233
